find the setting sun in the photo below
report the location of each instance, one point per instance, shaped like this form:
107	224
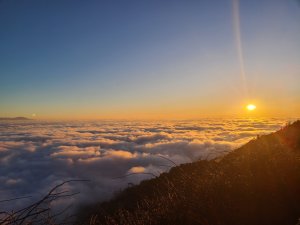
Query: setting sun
251	107
149	112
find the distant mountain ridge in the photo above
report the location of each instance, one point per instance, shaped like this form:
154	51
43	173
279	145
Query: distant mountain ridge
257	184
14	118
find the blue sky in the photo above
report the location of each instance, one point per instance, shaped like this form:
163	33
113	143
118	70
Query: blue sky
101	58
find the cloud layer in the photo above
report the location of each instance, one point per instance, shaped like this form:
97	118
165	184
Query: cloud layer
35	155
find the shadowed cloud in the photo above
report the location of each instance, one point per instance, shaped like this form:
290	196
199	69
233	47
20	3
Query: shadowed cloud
35	155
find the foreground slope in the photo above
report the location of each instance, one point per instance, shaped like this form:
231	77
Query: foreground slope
258	183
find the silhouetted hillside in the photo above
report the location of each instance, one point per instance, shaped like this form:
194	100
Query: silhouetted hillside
14	118
259	183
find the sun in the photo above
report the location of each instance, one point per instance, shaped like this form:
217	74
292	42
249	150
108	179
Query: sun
251	107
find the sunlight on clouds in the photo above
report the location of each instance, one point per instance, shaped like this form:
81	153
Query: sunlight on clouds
137	169
74	151
37	155
119	154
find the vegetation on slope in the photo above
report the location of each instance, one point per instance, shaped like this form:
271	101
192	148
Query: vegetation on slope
258	183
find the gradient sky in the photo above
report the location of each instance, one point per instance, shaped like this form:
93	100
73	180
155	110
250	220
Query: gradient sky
149	59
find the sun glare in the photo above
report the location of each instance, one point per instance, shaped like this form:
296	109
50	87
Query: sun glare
251	107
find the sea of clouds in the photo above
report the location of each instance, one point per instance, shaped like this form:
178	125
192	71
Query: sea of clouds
37	155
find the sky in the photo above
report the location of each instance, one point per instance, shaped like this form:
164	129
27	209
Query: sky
63	59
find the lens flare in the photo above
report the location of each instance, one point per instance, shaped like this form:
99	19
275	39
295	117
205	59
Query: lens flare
237	34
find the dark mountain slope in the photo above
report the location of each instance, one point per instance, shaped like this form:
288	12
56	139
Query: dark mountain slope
258	183
14	118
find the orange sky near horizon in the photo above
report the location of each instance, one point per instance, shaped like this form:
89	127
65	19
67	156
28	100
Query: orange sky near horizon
149	60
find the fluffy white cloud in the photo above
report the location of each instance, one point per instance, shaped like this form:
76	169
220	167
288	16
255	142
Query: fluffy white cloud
35	155
137	169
